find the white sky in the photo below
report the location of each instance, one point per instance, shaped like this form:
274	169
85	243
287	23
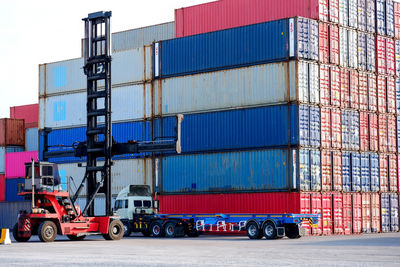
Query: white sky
42	31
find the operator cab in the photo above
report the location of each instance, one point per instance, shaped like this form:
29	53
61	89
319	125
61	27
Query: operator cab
46	176
134	200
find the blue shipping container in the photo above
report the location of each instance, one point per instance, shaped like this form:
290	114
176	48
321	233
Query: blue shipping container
385	212
243	46
380	17
374	171
315	169
260	170
370	5
346	171
315	126
365	172
362	50
389	18
355	171
13	186
394	212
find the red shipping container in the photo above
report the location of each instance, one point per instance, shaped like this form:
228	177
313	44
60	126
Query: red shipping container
366	212
15	163
12	132
326	127
326	169
323	42
327	213
396	20
347	214
337	213
390	57
381	94
354	94
305	208
363	90
364	133
336	122
316	208
279	202
383	131
29	113
357	218
391	95
2	188
373	132
381	54
334	44
337	178
335	86
398	172
324	84
345	88
372	92
392	134
220	15
393	179
383	172
375	213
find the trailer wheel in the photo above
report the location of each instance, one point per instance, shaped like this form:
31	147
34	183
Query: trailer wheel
16	235
47	231
170	229
292	231
253	231
76	238
269	230
157	230
127	228
115	230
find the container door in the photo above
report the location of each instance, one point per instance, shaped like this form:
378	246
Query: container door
324	42
370	4
346	129
392	135
314	83
334	11
373	132
336	117
337	170
323	10
383	172
389	18
335	86
371	53
394	212
355	130
397	56
326	158
380	17
345	88
347	214
393	179
304	122
375	213
305	208
362	51
391	95
357	221
334	44
381	94
346	171
326	127
315	126
382	120
397	20
324	85
365	173
304	172
344	47
303	81
390	57
327	213
364	131
372	93
344	13
381	54
353	14
362	15
354	95
366	212
355	172
316	208
353	53
374	168
338	213
385	212
303	36
363	90
313	40
315	160
398	133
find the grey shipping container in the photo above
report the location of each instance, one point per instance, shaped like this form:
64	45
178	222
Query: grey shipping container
31	139
9	212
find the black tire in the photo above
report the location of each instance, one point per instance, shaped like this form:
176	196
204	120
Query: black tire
76	238
292	231
253	230
127	228
17	237
157	230
170	229
115	230
269	230
47	231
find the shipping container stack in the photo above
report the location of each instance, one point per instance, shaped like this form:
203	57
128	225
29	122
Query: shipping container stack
283	114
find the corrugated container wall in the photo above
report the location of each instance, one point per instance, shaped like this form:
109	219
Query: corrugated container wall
13	186
12	132
243	46
31	139
29	113
3	152
9	212
15	163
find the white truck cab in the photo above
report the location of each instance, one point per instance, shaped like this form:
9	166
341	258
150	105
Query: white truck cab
134	200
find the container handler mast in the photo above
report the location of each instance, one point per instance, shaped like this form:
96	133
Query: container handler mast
53	210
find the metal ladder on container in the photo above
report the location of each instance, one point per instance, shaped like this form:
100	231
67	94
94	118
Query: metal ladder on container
99	136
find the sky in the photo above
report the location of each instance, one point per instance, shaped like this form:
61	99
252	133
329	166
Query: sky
33	32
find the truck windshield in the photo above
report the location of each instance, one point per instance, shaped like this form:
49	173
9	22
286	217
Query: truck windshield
146	203
121	204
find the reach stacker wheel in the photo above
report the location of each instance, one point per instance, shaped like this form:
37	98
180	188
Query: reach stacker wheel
47	231
16	235
115	230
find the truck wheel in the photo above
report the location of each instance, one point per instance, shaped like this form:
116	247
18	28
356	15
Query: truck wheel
17	237
156	229
47	231
127	228
76	238
253	231
170	229
269	230
292	231
115	230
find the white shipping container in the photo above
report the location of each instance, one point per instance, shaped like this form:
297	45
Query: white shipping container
362	50
273	83
128	67
353	55
344	47
353	13
344	13
362	15
69	110
370	6
371	53
123	173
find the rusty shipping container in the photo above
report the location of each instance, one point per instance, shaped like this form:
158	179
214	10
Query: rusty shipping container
12	132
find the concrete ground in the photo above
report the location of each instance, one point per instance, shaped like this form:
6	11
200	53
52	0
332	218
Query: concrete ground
361	250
